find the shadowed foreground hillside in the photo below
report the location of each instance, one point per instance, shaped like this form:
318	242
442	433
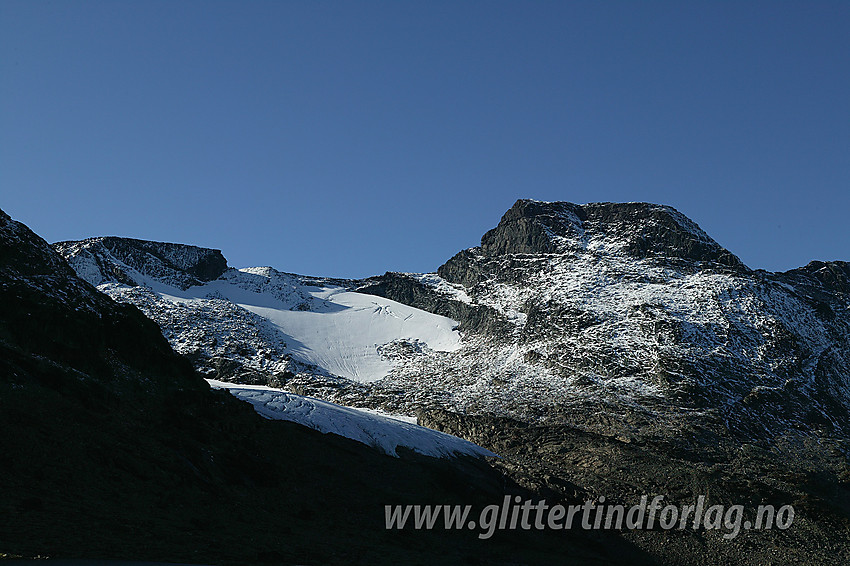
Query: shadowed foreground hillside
113	447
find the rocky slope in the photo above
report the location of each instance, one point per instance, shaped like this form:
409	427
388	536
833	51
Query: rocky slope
82	337
625	351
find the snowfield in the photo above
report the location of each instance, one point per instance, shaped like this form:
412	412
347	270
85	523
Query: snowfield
344	332
381	431
317	323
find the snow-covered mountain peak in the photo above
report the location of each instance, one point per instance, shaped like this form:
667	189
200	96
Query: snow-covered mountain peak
633	305
561	308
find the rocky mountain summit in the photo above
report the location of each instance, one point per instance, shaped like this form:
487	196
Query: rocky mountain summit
631	312
639	229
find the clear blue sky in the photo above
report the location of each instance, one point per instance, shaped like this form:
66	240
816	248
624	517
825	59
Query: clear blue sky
349	138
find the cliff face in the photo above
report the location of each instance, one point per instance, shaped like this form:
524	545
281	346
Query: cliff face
639	230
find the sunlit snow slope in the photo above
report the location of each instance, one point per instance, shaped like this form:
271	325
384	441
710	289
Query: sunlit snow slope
339	330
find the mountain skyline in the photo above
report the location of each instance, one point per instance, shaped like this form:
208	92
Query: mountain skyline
630	304
224	251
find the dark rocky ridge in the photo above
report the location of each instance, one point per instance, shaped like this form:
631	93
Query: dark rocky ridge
404	289
834	276
178	264
47	307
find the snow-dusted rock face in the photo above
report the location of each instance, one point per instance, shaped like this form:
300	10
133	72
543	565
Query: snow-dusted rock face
628	319
623	319
123	260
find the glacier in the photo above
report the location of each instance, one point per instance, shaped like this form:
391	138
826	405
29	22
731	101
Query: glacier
383	432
